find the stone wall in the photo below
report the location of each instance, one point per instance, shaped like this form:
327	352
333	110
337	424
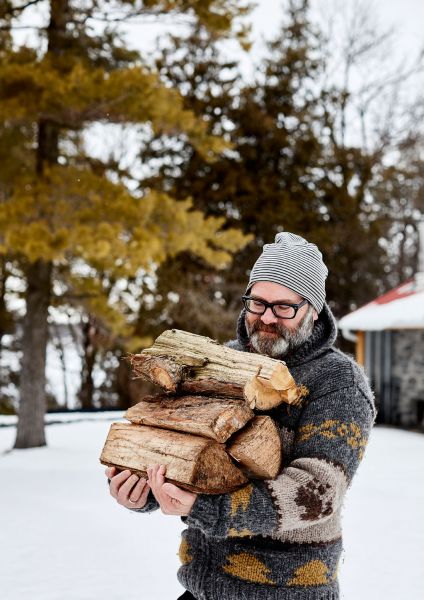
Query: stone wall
408	373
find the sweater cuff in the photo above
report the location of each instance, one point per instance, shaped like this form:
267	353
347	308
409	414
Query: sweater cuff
205	512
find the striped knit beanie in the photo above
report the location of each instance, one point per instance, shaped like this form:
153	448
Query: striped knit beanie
295	263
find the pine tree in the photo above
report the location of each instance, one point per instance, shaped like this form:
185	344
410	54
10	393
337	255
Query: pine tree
71	223
288	170
187	294
263	184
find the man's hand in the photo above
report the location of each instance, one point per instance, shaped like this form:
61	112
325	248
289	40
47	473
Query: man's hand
127	489
172	499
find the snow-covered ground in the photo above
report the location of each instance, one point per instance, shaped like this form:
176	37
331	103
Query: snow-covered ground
62	537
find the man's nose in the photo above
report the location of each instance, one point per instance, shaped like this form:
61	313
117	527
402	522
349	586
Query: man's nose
268	317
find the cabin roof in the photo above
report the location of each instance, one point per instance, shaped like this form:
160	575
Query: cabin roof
400	308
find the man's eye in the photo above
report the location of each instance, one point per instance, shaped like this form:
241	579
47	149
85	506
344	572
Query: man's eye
257	304
283	308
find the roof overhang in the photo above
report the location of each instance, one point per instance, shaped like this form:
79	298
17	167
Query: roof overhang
401	308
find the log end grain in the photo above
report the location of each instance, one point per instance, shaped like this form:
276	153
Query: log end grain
257	448
260	394
157	369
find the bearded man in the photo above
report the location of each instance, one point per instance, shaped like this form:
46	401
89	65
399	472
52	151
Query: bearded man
277	539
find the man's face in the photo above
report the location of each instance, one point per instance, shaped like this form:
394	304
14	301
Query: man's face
274	336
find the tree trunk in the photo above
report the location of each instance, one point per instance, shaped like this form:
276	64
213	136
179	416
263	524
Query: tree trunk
89	358
192	462
32	405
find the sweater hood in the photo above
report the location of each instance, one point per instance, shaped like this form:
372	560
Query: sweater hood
323	336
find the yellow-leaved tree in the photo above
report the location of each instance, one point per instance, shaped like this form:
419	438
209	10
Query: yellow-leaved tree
69	222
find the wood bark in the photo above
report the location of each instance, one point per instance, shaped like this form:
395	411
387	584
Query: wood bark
192	462
185	363
215	418
32	402
86	391
257	448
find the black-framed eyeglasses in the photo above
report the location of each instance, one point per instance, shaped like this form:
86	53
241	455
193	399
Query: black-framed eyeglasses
281	310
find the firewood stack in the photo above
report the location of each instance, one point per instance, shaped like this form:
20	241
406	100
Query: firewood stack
203	427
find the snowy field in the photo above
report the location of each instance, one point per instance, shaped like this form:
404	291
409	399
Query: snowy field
62	537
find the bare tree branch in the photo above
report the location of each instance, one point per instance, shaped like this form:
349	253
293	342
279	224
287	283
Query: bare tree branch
12	11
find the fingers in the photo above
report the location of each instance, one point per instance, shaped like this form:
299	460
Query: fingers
144	494
117	481
140	487
110	472
141	497
156	475
156	480
128	489
177	493
172	499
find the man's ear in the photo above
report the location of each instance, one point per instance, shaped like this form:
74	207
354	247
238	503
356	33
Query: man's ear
315	315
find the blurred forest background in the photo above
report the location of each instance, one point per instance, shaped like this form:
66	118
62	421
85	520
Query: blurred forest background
137	187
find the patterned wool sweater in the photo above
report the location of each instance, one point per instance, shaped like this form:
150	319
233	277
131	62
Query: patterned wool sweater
281	539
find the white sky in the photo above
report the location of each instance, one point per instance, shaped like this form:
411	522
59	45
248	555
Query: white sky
407	16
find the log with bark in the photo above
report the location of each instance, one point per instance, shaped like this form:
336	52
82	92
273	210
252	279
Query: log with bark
257	448
215	418
192	462
186	363
204	429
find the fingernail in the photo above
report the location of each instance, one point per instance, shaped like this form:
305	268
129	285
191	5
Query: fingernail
162	468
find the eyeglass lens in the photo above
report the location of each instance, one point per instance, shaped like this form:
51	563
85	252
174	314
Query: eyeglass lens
282	310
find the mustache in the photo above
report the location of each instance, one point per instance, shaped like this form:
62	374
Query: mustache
271	328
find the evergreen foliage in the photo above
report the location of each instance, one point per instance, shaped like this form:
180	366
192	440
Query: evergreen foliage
71	223
289	168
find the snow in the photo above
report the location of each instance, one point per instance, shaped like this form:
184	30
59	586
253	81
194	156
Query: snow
404	313
64	537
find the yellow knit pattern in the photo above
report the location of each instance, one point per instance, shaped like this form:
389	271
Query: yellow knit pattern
335	429
242	533
313	572
248	567
184	552
241	498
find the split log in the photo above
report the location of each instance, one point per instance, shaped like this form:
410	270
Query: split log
257	448
192	462
215	418
264	392
186	363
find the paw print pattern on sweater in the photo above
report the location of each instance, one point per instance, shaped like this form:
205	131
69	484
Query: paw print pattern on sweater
311	497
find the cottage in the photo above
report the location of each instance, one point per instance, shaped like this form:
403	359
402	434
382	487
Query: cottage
389	339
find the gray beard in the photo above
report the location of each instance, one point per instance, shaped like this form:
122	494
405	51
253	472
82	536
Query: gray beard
287	341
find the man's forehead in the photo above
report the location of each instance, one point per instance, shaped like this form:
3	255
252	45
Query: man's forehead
268	290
